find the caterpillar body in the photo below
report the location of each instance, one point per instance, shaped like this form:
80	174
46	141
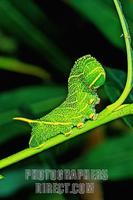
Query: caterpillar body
86	76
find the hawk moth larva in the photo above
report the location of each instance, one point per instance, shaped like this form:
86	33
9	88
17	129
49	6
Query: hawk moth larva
86	76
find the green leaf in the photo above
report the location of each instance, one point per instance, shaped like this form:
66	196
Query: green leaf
15	179
17	24
7	44
29	102
23	97
106	20
116	155
1	177
34	13
31	10
114	86
12	130
15	65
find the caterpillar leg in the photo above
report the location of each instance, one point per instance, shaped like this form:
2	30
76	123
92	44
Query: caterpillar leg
80	125
68	133
94	101
98	101
39	147
91	101
93	116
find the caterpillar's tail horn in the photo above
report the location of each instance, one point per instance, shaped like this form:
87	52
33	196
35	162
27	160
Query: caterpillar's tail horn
24	120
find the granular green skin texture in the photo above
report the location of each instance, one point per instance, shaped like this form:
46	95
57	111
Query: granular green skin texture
86	76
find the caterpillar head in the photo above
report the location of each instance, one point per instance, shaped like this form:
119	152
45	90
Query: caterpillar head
93	72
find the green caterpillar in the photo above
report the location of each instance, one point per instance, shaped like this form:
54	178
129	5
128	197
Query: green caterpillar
86	76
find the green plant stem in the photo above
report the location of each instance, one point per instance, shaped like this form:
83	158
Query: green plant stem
126	33
128	85
126	109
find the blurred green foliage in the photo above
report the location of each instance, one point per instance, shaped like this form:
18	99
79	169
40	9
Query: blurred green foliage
105	18
14	65
32	101
14	22
7	44
115	155
24	22
114	88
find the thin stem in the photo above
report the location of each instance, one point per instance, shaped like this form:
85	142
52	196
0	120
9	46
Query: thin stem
128	85
123	111
126	33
